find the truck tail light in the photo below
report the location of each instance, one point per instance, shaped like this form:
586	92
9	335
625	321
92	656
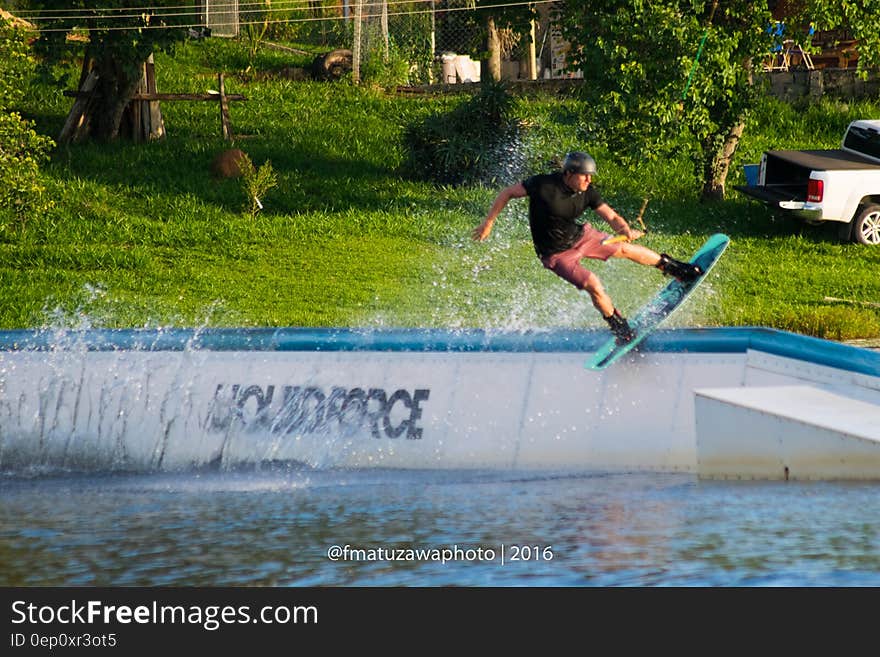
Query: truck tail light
815	191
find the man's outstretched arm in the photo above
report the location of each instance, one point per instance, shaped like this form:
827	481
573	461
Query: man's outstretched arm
482	231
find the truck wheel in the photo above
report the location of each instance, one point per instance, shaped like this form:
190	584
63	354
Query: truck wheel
866	226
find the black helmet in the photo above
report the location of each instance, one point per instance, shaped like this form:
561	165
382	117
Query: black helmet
579	162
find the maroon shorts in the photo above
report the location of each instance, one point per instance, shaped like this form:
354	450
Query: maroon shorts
567	264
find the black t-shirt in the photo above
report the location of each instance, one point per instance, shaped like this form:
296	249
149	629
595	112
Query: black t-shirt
553	208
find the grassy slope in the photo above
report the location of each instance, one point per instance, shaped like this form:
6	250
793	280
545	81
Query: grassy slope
143	236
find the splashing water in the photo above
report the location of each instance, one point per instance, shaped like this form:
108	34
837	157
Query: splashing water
501	285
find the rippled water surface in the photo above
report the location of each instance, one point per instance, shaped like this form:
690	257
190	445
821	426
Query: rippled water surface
280	527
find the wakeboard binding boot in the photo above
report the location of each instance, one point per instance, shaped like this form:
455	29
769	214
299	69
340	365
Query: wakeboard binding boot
621	329
685	272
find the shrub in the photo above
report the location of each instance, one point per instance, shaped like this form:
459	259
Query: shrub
22	151
470	144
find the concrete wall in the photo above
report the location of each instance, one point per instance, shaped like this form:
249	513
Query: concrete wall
170	400
788	85
832	82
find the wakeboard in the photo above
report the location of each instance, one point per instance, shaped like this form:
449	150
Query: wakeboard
664	303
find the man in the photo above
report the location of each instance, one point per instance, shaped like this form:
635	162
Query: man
556	200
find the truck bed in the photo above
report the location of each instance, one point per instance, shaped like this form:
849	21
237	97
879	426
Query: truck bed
788	172
825	160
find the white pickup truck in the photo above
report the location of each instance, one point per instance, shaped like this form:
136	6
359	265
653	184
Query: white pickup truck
841	185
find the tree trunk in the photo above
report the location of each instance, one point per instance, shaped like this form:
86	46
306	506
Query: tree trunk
493	45
717	162
99	114
115	89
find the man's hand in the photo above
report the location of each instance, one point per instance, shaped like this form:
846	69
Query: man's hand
633	234
482	231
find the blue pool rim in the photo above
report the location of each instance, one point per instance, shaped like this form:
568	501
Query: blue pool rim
721	340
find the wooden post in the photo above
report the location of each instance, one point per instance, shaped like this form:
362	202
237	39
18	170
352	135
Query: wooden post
143	118
134	122
433	42
151	110
225	128
532	67
77	115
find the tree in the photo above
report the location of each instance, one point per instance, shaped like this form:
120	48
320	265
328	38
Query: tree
114	42
516	19
666	75
22	150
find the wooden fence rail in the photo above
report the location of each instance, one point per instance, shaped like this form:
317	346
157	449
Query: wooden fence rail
147	122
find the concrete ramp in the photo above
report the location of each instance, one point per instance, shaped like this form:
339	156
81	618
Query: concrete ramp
785	432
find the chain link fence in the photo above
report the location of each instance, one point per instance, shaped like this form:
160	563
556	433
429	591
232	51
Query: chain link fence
414	41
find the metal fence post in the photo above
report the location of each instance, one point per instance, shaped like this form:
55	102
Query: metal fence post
356	46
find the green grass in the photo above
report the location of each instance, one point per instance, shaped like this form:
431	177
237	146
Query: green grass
141	235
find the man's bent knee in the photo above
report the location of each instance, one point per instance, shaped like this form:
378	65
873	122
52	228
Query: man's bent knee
593	286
